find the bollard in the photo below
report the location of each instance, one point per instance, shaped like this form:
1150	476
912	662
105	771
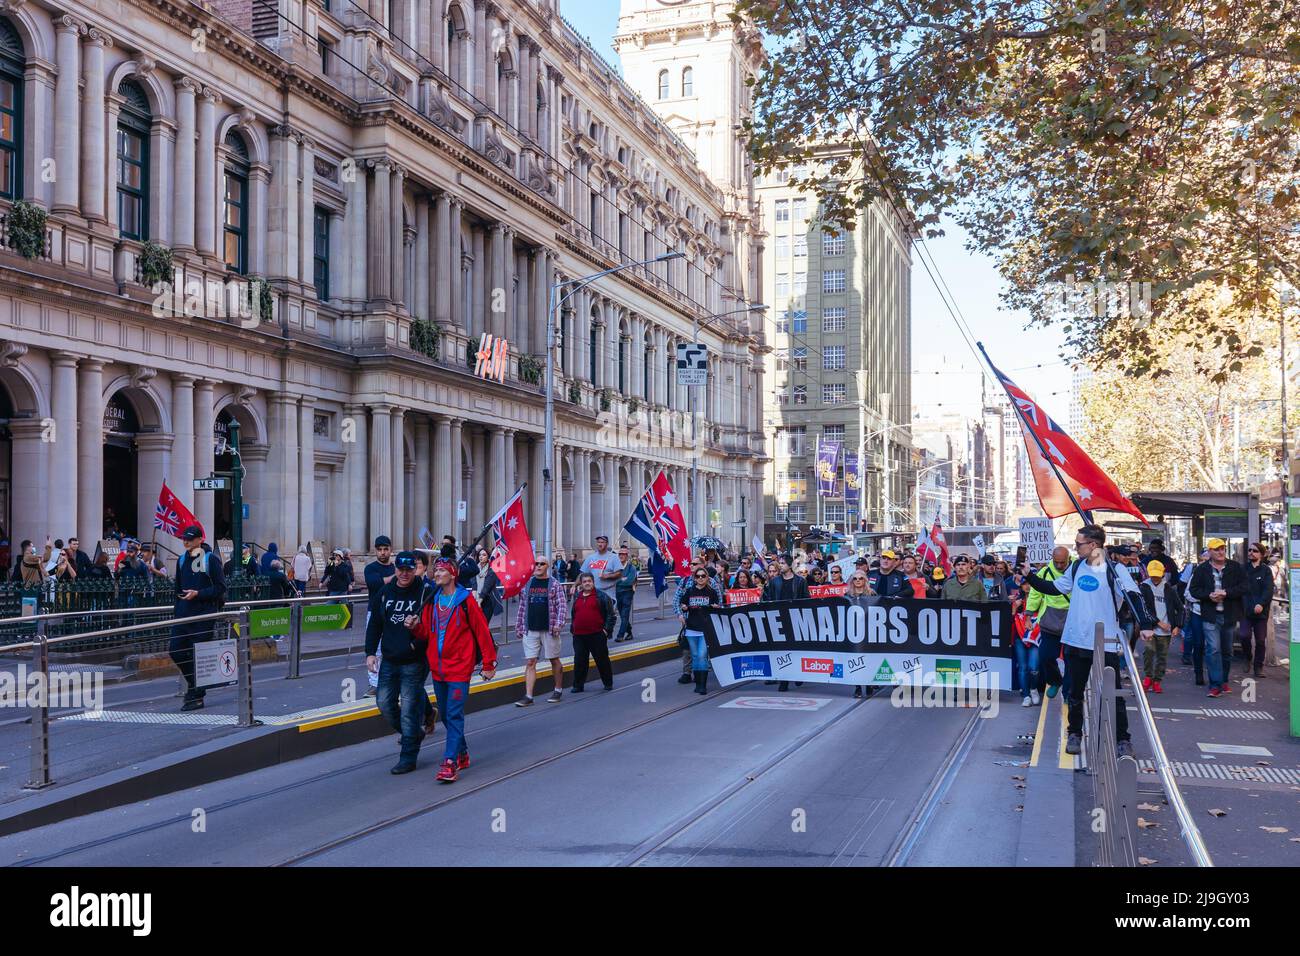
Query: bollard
295	641
40	769
244	655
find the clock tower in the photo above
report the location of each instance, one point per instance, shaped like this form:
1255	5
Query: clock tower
690	63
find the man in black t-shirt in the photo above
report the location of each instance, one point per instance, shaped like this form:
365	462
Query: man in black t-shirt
541	615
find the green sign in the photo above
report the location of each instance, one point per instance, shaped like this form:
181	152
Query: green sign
947	671
1227	523
884	675
325	617
268	622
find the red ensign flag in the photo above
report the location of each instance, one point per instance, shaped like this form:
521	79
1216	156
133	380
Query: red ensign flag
513	556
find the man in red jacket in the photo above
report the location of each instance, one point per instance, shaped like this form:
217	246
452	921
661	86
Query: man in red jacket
452	623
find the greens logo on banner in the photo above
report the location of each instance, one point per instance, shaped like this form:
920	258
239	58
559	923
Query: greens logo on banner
895	641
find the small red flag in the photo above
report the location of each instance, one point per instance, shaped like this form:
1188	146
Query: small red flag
171	515
513	556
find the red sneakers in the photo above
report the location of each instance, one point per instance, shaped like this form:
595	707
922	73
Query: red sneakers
1146	683
1214	692
462	762
1155	686
1227	688
447	772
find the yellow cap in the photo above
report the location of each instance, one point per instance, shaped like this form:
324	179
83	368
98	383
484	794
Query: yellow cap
889	554
1214	543
1155	569
937	574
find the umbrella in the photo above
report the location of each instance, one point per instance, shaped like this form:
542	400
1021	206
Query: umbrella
708	543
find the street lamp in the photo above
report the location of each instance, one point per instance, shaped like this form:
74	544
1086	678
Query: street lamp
697	497
554	304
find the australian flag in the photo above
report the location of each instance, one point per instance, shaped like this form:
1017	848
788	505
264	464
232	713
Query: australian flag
640	526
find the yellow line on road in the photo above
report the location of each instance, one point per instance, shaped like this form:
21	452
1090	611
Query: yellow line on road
1038	734
1066	761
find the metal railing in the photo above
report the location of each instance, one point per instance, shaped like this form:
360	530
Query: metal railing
1115	777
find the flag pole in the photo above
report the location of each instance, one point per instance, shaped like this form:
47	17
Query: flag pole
1087	515
482	534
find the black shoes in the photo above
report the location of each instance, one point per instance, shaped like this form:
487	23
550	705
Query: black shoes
701	682
685	678
402	767
192	703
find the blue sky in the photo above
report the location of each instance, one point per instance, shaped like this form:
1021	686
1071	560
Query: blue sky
936	343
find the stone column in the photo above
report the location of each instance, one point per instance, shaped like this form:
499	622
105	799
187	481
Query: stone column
421	308
355	217
356	475
282	470
480	49
381	471
307	214
259	178
205	175
151	468
90	455
183	183
510	468
94	163
62	485
584	502
496	319
397	242
67	126
283	221
496	471
204	452
446	479
443	271
30	495
456	264
380	241
456	476
307	472
482	481
420	510
180	476
398	450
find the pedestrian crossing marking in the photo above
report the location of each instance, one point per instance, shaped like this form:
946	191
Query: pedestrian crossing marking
1235	750
1217	771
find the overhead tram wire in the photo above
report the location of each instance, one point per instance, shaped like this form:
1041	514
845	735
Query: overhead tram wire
886	193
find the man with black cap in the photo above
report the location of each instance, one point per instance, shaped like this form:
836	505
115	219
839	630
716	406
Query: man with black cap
1156	552
200	589
377	573
397	658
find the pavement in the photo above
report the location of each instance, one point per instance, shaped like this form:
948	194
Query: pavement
1235	763
141	718
648	774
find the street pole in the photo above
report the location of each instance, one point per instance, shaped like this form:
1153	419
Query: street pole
555	302
885	398
236	495
1291	529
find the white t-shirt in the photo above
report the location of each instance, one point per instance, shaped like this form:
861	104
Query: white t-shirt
599	564
301	566
1091	600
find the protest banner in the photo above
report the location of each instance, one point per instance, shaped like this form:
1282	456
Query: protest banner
893	641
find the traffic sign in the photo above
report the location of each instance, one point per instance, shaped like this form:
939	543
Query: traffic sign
326	617
692	364
212	483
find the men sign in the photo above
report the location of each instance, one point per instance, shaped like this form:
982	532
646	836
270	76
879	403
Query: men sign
896	641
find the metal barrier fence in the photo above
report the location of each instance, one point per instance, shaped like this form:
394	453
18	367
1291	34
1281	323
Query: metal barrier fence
36	651
1115	777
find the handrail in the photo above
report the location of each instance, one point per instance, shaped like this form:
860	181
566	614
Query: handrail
1190	833
164	608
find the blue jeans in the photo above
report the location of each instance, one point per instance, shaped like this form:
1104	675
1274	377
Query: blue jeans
452	696
1049	649
404	681
1218	650
1027	665
699	650
1194	644
625	612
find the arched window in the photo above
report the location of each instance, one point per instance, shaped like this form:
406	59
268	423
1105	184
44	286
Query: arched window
457	58
234	219
688	81
133	162
663	84
12	59
592	347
